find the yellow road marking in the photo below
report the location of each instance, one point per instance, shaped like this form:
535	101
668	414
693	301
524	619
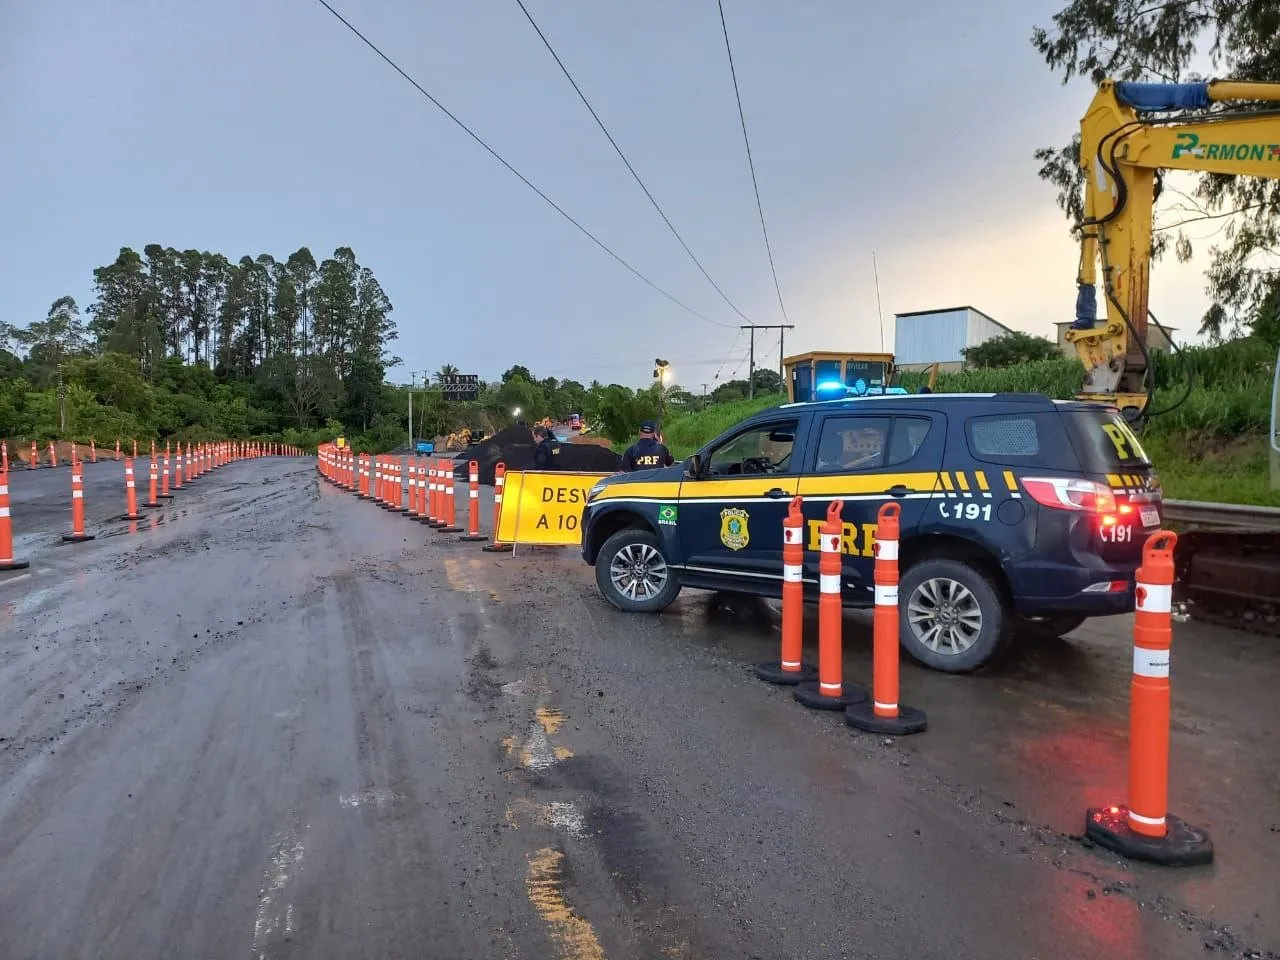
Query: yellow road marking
563	753
574	933
457	580
550	719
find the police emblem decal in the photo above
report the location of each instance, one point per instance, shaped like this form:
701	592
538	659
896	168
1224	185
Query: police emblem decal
733	528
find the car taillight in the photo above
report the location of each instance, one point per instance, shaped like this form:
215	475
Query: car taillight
1070	493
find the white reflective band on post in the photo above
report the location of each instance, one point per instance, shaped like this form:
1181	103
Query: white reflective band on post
1154	597
792	535
4	490
830	687
790	664
497	498
77	494
791	573
886	549
1149	821
886	596
475	477
475	494
829	583
75	478
1150	663
4	511
830	543
129	484
885	706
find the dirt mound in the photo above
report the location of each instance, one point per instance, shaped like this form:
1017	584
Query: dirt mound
514	447
20	452
593	439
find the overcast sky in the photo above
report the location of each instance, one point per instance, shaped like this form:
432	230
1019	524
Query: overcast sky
251	126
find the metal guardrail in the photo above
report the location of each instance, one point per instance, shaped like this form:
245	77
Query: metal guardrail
1222	516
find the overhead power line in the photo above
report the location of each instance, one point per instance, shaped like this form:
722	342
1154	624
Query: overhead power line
623	157
523	179
751	164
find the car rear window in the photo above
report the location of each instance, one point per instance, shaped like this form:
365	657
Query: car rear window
1020	439
1104	442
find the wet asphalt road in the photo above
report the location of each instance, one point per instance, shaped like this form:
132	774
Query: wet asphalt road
273	721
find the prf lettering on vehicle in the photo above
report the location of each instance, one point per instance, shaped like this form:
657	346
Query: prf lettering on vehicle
856	540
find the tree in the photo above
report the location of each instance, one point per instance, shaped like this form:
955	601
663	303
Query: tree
59	335
1152	40
1013	348
767	380
518	371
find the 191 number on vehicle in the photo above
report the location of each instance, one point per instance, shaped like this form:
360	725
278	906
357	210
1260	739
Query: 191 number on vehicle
965	511
1116	533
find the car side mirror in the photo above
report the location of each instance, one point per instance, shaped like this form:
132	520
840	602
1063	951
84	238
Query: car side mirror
693	466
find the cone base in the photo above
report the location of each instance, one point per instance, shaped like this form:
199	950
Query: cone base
496	548
862	716
153	504
427	521
448	529
14	564
472	537
811	696
1182	845
166	496
132	516
771	672
78	537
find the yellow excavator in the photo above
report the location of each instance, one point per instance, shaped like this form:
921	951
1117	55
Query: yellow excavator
1130	133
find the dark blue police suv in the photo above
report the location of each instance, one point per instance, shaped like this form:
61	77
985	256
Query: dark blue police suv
1021	515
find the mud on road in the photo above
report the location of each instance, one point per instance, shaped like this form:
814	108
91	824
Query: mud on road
274	721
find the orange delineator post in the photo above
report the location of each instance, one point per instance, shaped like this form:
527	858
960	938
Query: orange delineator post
164	477
177	466
53	455
117	448
4	457
1144	829
93	451
450	502
790	668
828	691
153	487
131	493
883	713
77	534
499	483
135	448
473	503
35	456
412	511
6	529
434	512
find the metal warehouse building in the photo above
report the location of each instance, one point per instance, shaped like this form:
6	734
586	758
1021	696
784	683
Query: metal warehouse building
925	337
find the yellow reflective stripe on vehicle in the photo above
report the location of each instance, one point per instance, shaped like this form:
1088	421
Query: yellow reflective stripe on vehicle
659	489
982	480
1011	481
1114	480
962	480
854	484
946	482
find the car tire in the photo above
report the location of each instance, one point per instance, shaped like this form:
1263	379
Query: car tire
635	549
958	590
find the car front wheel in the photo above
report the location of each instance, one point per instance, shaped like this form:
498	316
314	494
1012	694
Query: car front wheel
633	574
951	617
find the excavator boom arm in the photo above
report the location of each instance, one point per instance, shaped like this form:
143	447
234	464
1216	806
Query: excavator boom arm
1124	141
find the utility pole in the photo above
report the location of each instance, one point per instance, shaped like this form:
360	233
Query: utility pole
751	363
62	402
413	383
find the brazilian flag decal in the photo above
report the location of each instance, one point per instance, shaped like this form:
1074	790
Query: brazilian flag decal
667	514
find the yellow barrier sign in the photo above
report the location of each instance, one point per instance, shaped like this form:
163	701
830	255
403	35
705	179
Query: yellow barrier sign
544	506
341	442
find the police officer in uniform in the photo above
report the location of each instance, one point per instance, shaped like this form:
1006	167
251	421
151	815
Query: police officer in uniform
648	452
546	455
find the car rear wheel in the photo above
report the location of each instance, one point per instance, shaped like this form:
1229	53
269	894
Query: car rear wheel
633	574
951	615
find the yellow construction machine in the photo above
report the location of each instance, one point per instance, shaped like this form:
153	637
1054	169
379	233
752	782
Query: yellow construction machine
1130	133
1128	136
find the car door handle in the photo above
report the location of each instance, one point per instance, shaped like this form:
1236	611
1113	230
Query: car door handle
898	490
776	492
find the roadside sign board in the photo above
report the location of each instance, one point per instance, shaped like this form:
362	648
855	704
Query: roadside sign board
460	386
544	507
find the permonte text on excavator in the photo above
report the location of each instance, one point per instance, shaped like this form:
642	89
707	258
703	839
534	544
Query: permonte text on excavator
1130	133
